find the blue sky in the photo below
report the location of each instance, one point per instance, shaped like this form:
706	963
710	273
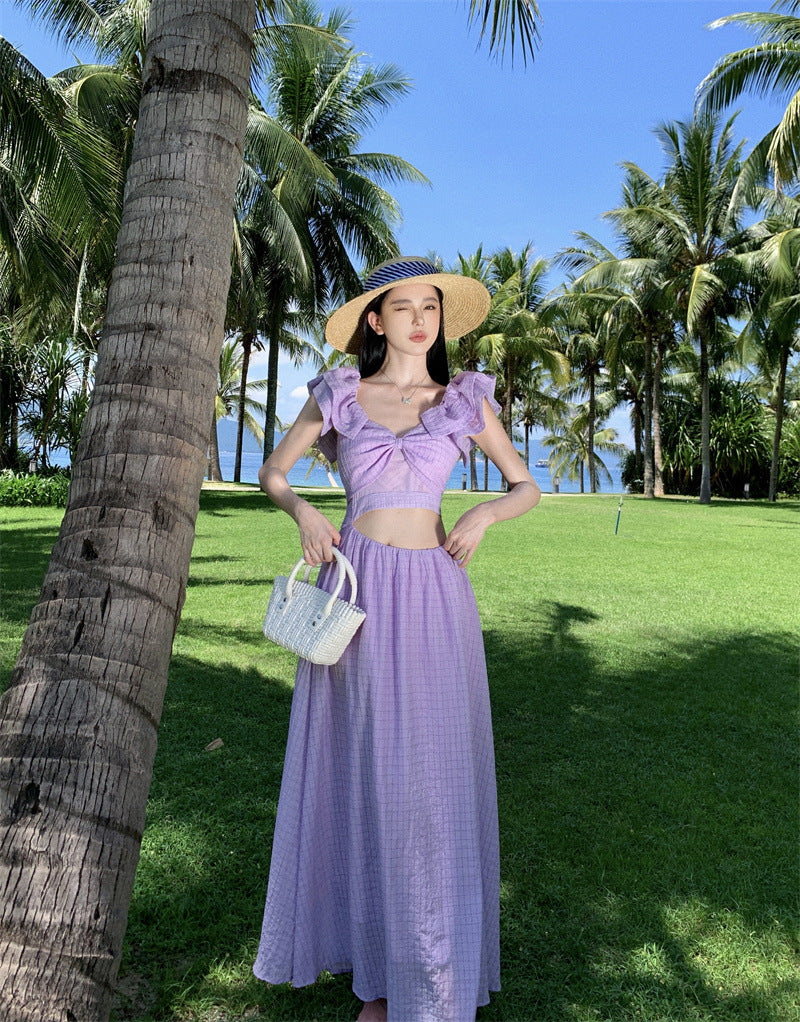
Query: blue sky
515	154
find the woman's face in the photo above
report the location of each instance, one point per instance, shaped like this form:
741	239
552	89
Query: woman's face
409	318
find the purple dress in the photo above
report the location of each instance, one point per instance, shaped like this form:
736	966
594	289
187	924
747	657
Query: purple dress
385	855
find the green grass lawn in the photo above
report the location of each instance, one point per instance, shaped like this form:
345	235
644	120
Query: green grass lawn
645	695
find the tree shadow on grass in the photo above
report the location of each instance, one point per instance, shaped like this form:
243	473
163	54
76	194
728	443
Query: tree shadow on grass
196	911
24	561
642	813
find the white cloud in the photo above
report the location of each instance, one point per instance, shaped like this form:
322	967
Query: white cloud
299	393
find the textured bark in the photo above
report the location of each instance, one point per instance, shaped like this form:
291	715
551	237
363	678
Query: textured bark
648	478
247	345
214	468
705	425
776	436
78	723
473	471
272	392
658	456
590	439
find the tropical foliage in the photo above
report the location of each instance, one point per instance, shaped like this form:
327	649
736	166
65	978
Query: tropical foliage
689	295
770	68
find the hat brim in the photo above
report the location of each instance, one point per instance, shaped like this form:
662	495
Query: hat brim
465	305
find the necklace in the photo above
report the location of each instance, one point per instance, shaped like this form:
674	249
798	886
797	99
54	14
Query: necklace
405	400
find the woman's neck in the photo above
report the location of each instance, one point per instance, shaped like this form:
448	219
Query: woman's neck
405	370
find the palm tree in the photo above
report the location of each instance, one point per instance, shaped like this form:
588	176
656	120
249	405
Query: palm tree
538	403
771	68
474	349
638	315
585	320
571	442
326	97
227	401
78	723
56	180
524	333
691	222
772	332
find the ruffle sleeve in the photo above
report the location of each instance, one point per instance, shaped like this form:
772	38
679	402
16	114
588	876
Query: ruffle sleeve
460	413
335	393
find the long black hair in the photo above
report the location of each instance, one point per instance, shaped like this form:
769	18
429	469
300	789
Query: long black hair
372	354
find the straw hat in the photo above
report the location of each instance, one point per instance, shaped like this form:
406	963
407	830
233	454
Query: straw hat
465	301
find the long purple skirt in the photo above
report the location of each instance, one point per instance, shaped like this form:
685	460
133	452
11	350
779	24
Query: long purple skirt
385	854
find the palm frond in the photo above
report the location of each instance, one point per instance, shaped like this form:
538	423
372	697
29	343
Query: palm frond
502	19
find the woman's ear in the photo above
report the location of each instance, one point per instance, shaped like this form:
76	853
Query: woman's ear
374	321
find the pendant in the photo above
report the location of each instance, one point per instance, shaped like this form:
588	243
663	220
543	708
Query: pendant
406	400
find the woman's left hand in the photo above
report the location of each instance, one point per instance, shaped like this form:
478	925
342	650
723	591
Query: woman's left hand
466	534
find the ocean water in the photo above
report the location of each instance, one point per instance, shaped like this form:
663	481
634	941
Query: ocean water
307	473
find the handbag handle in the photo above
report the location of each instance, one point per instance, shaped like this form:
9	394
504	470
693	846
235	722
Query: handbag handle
345	569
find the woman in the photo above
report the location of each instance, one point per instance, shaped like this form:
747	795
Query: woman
385	855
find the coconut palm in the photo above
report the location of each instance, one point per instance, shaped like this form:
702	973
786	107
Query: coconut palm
638	315
771	68
771	334
57	187
570	443
524	331
538	402
474	349
326	97
691	223
585	326
503	19
78	723
226	402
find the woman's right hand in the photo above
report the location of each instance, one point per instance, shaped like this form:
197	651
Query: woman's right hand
317	535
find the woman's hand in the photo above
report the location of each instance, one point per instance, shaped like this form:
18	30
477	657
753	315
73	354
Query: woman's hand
466	534
317	534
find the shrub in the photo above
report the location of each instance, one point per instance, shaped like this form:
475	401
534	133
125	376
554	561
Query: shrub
23	490
632	473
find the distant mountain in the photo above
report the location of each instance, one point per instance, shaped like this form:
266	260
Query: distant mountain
226	432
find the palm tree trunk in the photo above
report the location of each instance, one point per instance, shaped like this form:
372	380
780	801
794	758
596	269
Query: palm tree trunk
637	438
648	416
527	429
485	472
87	365
705	424
590	439
78	722
247	344
214	467
272	391
658	454
776	439
7	410
473	471
508	408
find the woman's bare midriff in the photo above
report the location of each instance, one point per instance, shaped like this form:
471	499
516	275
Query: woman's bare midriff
414	528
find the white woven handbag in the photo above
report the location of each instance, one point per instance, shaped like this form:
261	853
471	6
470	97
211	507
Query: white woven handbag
310	622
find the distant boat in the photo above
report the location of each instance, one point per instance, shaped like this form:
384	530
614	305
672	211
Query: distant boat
542	463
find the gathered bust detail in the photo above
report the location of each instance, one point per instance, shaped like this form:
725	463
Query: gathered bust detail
458	415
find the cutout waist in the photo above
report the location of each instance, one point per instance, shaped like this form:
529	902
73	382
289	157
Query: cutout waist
405	528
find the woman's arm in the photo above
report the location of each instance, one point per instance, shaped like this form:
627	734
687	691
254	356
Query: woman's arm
523	493
317	534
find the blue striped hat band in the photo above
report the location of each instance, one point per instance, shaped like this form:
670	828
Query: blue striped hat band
398	269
